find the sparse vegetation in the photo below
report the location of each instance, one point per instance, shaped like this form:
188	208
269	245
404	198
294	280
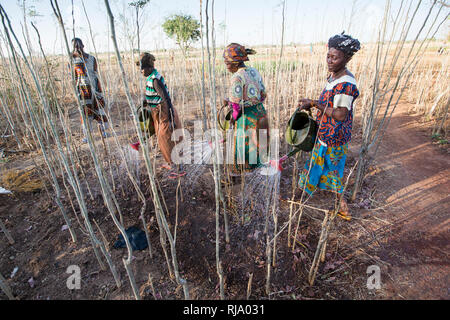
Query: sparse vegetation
203	243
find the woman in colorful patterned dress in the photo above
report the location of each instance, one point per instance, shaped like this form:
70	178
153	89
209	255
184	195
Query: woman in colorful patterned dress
246	96
88	86
157	100
325	169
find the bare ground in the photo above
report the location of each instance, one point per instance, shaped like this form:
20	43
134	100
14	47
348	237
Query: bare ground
400	223
417	188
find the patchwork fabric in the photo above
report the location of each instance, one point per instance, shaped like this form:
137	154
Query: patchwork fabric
247	87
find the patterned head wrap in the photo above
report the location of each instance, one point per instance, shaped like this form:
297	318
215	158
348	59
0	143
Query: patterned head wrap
344	43
236	53
147	60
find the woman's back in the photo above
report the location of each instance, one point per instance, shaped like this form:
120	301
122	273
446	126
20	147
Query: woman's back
247	87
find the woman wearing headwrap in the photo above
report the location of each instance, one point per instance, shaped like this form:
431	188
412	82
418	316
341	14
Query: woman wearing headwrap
325	170
157	100
88	86
246	96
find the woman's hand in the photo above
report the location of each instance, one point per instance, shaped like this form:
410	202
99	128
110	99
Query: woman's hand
263	96
225	102
305	104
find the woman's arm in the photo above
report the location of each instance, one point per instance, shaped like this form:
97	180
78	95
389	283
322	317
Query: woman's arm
166	102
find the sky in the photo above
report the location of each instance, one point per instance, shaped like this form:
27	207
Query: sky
249	22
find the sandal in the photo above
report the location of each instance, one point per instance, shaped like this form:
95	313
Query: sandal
344	215
175	175
182	173
166	166
172	176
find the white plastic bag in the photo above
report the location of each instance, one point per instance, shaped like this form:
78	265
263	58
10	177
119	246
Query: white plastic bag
4	191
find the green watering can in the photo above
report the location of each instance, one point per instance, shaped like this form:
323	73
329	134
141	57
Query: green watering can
301	131
224	118
146	121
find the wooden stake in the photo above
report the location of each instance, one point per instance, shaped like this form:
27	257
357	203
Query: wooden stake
249	286
6	289
6	232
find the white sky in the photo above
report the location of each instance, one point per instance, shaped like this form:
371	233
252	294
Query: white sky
250	22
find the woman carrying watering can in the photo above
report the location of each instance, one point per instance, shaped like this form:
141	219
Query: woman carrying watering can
157	101
246	96
325	169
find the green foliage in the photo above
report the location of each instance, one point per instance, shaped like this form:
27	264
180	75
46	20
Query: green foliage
139	4
435	136
3	159
439	139
184	29
271	66
33	13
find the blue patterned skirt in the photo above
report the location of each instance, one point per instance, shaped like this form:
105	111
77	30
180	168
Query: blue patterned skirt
327	169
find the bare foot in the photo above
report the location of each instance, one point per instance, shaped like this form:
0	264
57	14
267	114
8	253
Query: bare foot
344	211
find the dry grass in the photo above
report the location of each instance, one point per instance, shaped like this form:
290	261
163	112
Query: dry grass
302	74
21	181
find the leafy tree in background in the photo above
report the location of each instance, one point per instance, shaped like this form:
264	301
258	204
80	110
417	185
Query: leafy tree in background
138	5
184	29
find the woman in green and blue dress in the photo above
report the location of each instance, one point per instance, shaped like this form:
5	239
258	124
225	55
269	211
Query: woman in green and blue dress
246	96
325	169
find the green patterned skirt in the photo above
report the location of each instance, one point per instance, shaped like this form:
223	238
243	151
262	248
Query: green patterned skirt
246	153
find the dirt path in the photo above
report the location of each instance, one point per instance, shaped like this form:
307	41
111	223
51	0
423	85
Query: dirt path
416	177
